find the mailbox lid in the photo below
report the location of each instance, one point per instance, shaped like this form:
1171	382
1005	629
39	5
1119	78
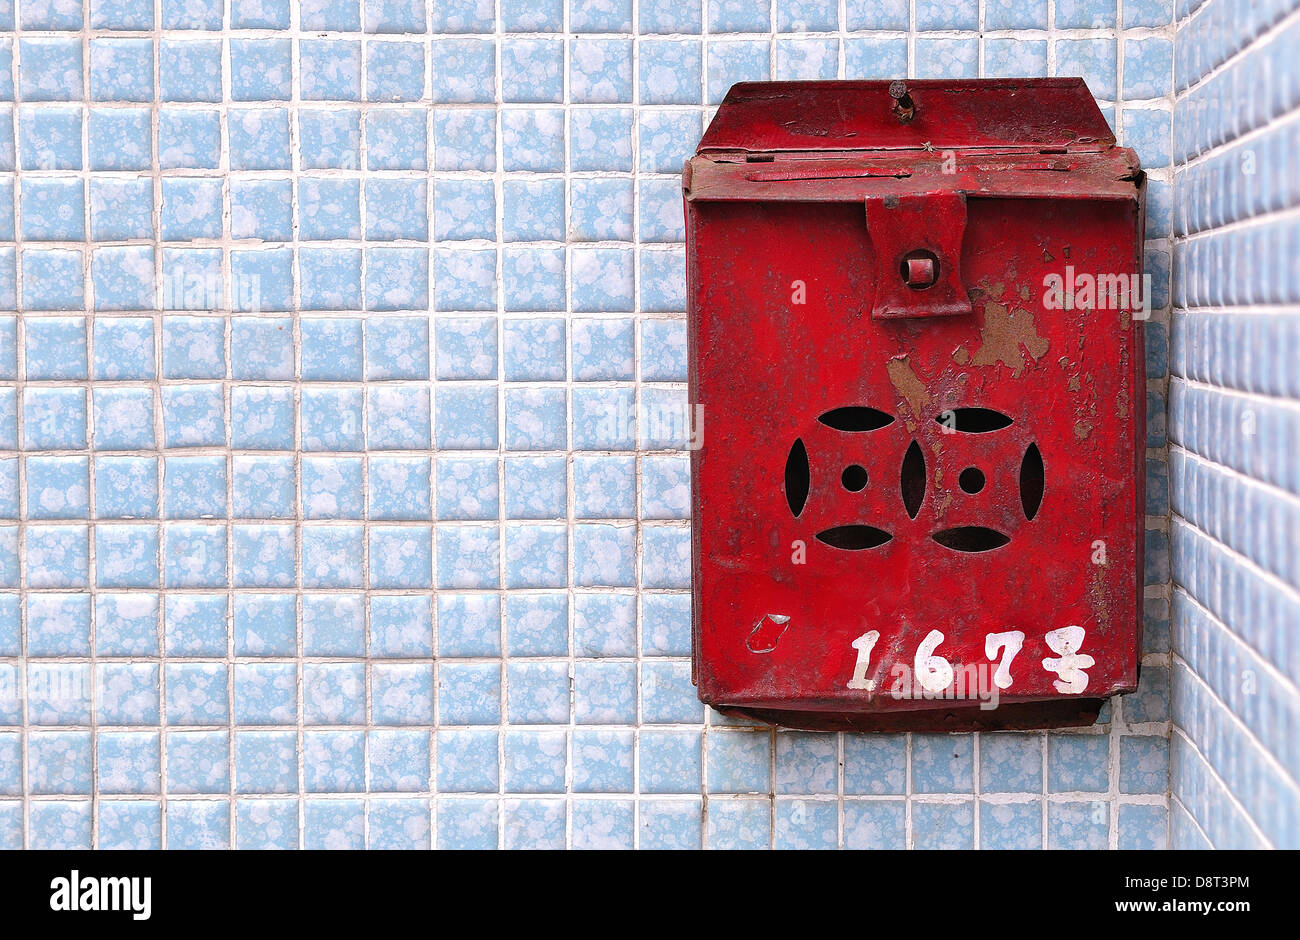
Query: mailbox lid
1029	114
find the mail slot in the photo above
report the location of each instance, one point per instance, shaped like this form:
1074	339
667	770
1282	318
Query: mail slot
916	337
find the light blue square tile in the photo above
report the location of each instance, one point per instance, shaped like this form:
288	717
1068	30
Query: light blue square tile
126	624
599	139
535	761
467	488
261	417
807	59
468	556
260	69
58	694
130	824
1144	764
394	16
120	14
266	824
806	824
604	693
536	419
331	556
659	212
397	417
1078	762
536	556
197	762
261	279
259	14
329	69
466	348
464	70
334	824
532	70
334	761
51	68
536	488
666	557
265	761
261	348
399	760
943	826
666	139
265	625
128	762
467	761
57	487
1143	827
740	824
258	138
53	209
1011	825
266	693
604	487
331	139
1085	14
192	14
401	557
124	278
1015	14
879	824
1078	825
604	555
121	209
538	692
331	488
189	70
875	764
59	825
600	210
196	694
467	824
670	71
466	138
195	624
1092	59
464	209
466	418
334	693
51	137
1014	58
604	625
732	62
58	762
52	279
600	70
1148	67
198	824
469	624
126	556
671	824
665	624
806	763
121	70
399	824
402	694
396	140
739	761
57	556
465	279
666	488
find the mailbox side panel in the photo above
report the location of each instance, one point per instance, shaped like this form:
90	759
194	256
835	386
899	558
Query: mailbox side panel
781	336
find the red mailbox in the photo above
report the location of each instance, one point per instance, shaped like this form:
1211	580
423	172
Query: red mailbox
915	336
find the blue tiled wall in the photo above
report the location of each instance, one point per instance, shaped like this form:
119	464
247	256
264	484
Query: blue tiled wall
1234	428
337	503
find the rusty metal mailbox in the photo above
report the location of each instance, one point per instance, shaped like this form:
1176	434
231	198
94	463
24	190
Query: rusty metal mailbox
915	325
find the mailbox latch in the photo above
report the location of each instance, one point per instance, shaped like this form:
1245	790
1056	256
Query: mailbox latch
917	238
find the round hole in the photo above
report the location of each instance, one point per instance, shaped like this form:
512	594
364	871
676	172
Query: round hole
971	480
854	478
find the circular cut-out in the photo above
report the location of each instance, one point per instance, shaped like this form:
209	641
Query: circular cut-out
854	478
971	480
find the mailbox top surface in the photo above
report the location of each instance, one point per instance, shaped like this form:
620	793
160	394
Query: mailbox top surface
1028	114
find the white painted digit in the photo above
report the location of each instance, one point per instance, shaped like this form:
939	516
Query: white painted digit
933	672
1010	643
864	644
1066	642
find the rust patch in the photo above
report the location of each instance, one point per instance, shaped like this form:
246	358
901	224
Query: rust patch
1004	332
905	382
1082	429
1073	384
961	355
